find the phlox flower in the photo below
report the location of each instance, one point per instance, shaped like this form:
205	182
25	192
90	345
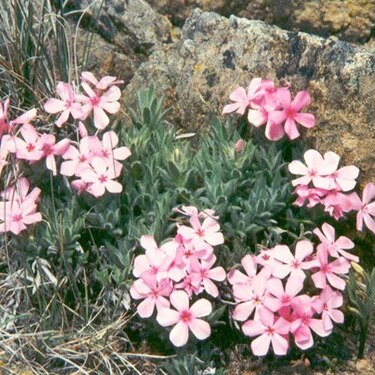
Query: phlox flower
152	292
335	248
101	178
29	147
242	97
337	203
50	148
185	318
290	112
279	297
303	322
103	84
312	195
23	119
250	297
208	231
270	330
100	103
329	271
365	208
19	208
77	160
292	264
67	105
317	170
202	272
326	304
250	266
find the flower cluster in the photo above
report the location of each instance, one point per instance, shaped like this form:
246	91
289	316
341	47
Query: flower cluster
268	294
322	182
94	161
272	106
174	272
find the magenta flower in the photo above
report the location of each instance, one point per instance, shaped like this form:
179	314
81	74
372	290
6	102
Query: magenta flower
185	318
270	331
67	105
101	178
291	112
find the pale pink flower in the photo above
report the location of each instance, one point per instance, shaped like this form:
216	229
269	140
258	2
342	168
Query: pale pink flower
203	273
79	185
365	208
67	105
208	231
25	118
337	203
327	304
103	84
251	298
250	266
291	112
99	104
153	294
303	322
77	160
335	248
317	170
270	330
28	148
278	297
242	97
312	195
292	264
186	318
19	192
50	148
329	271
101	178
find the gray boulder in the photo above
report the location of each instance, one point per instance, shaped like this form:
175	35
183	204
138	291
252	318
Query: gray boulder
216	54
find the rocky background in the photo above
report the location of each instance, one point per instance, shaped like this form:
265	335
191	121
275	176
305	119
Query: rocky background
197	52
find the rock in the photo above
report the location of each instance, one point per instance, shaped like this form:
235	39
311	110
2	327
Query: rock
350	20
215	55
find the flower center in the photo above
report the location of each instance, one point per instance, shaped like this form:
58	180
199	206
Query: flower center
30	147
103	178
17	217
185	316
200	232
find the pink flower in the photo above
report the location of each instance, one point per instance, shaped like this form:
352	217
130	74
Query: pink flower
329	271
327	304
101	178
208	231
242	97
185	318
28	148
270	330
303	322
291	112
100	104
313	195
336	203
202	272
239	146
334	247
67	106
293	265
50	149
152	292
77	160
250	266
317	170
366	210
104	82
25	118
